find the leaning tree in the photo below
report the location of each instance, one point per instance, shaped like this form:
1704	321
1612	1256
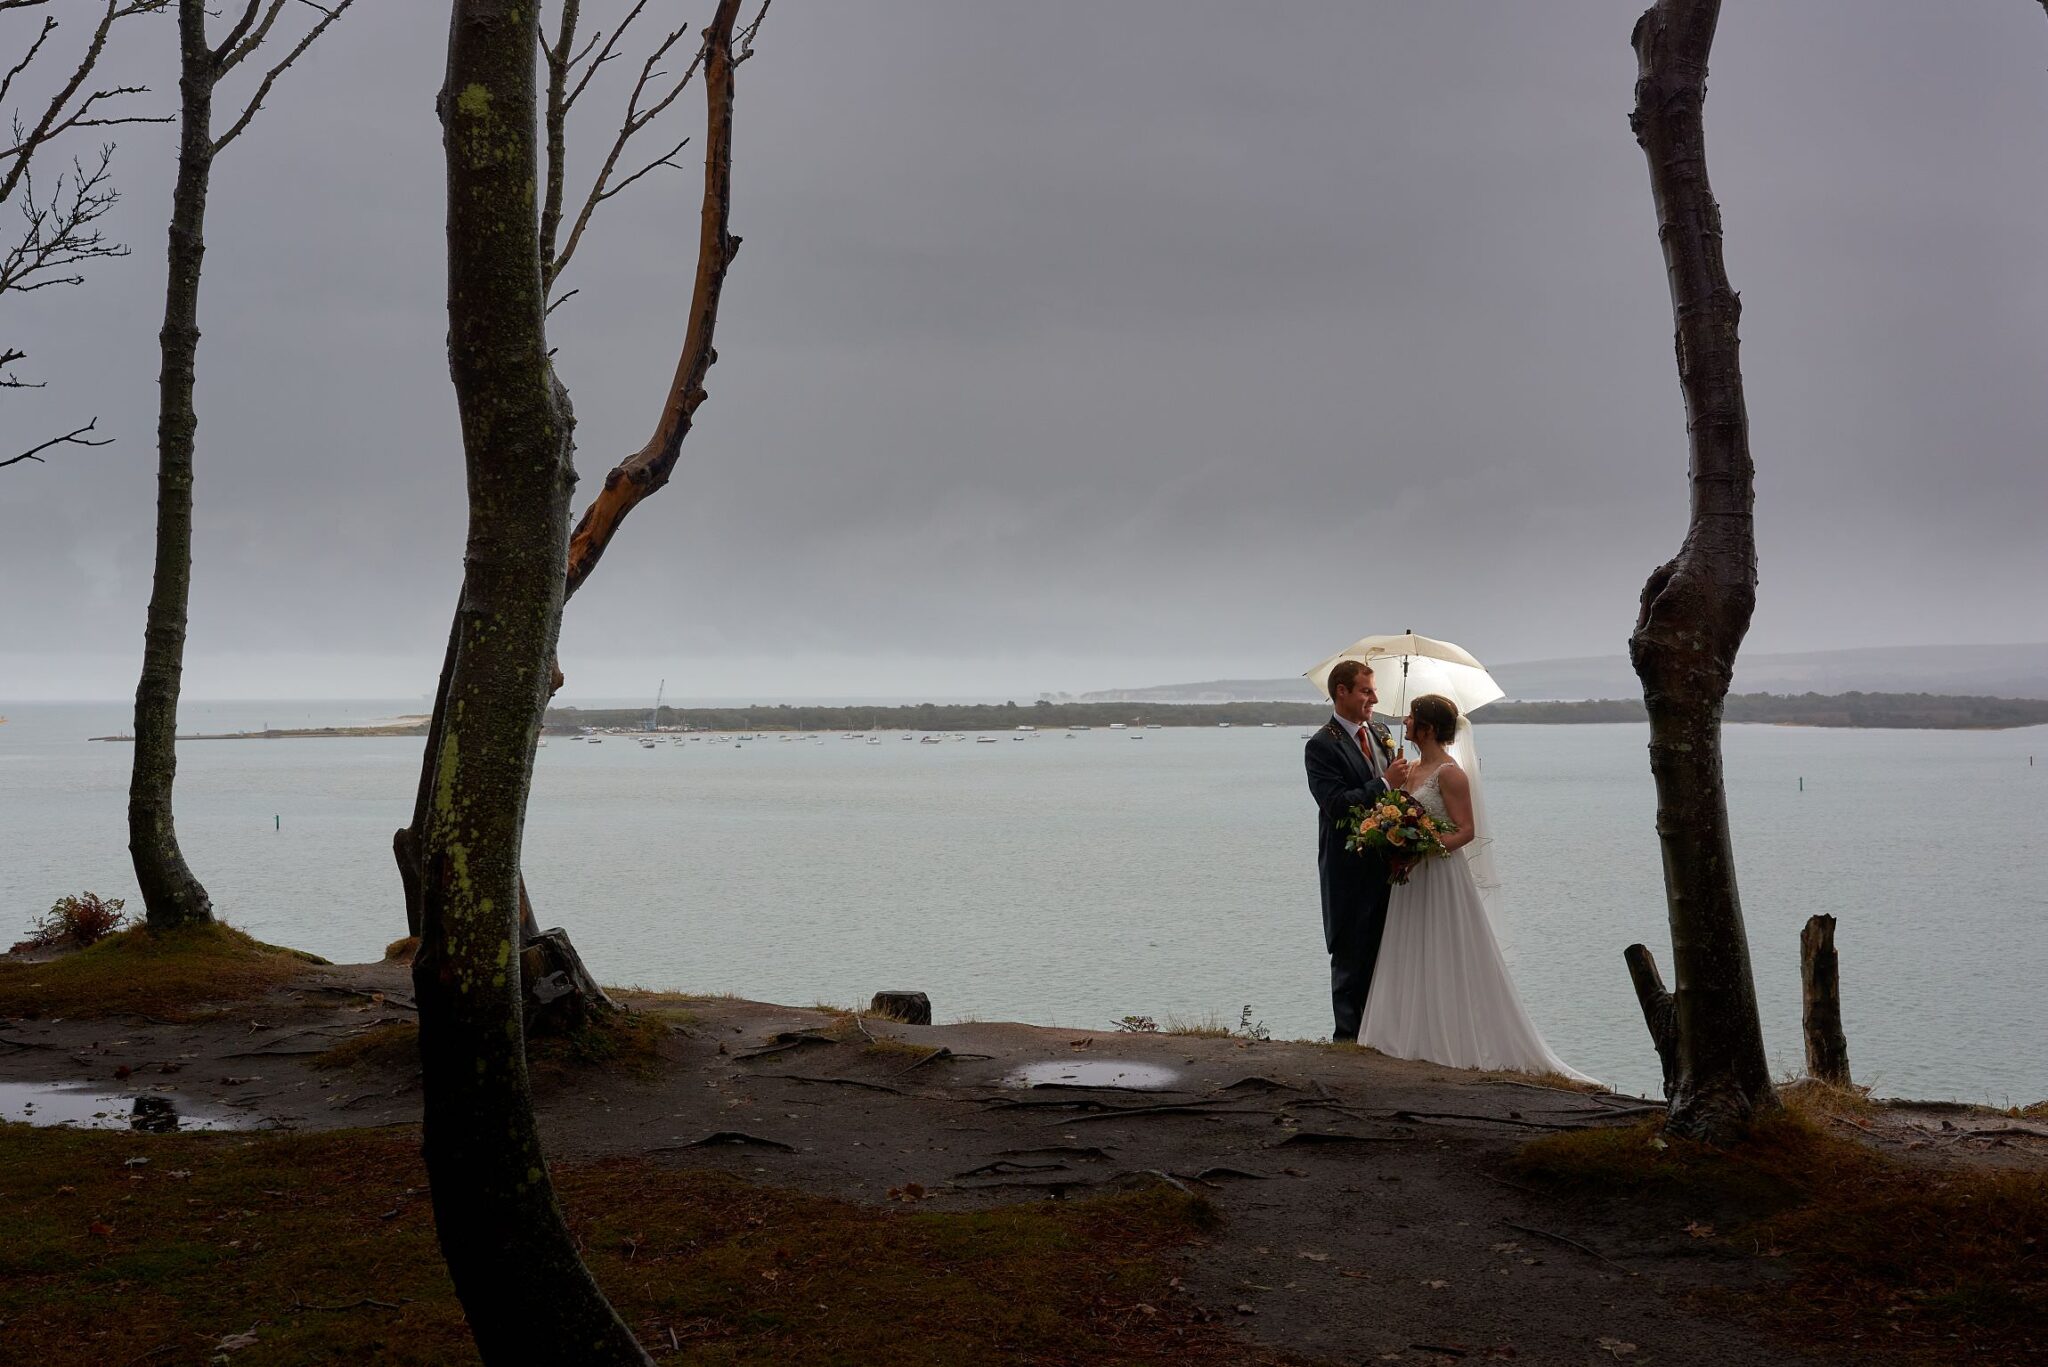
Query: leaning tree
515	1266
171	893
60	233
1696	607
572	61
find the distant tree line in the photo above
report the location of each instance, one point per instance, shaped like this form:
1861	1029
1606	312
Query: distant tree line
1923	711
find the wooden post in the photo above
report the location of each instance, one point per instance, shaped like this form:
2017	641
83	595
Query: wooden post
1827	1050
1660	1013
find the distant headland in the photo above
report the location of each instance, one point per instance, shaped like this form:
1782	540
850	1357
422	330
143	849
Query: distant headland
1881	711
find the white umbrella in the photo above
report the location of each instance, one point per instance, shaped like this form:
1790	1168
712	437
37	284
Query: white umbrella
1408	666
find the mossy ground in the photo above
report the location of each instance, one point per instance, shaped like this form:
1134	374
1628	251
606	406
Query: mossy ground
177	975
322	1246
629	1041
1909	1262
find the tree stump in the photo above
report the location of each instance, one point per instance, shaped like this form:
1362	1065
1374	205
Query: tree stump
559	994
909	1008
1827	1050
1660	1013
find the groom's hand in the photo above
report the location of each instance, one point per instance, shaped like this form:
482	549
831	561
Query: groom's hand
1397	773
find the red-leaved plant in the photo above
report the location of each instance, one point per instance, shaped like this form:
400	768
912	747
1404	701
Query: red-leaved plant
82	920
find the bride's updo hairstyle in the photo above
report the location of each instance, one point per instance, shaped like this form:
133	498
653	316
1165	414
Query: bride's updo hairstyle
1439	714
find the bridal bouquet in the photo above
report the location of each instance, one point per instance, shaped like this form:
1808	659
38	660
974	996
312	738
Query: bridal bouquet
1396	826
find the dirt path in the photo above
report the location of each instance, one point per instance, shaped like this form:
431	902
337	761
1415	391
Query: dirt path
1367	1217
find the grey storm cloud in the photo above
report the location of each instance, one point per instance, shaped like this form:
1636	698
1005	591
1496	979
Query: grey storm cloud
1078	345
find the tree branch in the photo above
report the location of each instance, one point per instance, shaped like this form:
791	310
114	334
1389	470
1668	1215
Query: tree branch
649	468
60	116
609	52
328	16
635	120
231	50
556	120
59	233
74	438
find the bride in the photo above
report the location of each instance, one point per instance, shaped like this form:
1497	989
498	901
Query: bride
1441	989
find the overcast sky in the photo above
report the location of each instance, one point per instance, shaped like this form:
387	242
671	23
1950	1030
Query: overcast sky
1083	345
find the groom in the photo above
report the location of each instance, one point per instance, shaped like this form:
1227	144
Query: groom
1350	761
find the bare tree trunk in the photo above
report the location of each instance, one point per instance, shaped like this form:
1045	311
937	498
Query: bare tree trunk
1660	1013
525	1291
1696	608
648	469
1820	1016
171	893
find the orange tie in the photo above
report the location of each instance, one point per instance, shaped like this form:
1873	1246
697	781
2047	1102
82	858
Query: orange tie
1361	740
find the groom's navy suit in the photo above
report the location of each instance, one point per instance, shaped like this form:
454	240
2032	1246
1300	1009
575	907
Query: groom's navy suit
1341	777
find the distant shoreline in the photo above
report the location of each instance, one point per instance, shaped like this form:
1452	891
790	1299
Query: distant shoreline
1848	711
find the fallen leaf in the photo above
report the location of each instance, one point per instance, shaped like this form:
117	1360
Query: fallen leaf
1315	1257
1437	1285
1616	1347
135	1163
101	1228
234	1342
1699	1230
1246	1310
1657	1141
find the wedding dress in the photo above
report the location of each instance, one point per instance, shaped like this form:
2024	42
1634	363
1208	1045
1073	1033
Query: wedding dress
1441	989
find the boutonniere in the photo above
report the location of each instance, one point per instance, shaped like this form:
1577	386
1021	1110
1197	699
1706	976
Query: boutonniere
1384	737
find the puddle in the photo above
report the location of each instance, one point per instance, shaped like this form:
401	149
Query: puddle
81	1107
1105	1072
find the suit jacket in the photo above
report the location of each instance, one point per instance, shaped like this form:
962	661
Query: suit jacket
1354	883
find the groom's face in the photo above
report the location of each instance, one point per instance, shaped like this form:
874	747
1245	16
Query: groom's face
1359	699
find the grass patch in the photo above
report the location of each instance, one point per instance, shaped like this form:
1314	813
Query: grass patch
392	1045
172	976
296	1234
622	1040
888	1050
401	951
1933	1265
628	1041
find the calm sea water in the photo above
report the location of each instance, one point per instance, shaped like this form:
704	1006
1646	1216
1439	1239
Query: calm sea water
1075	880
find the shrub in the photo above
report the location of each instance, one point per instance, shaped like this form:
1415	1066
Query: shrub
77	921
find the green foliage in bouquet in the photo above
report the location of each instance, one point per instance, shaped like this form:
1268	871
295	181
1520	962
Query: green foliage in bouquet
1397	827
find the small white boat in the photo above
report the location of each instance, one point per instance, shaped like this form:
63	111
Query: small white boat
874	740
1118	726
984	740
646	742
